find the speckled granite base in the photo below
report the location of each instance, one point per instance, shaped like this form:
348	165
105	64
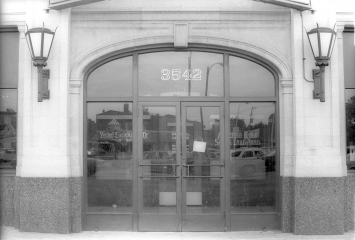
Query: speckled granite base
50	205
287	202
75	196
7	185
349	203
17	202
319	206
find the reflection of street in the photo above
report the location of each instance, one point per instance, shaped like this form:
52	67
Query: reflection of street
251	195
108	168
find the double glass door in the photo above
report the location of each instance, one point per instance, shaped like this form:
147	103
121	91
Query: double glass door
181	167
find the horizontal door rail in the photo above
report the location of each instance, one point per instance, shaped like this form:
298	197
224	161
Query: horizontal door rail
163	176
202	176
159	164
203	165
158	159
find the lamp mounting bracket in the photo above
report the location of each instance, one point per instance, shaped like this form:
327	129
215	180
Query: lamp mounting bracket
322	63
39	64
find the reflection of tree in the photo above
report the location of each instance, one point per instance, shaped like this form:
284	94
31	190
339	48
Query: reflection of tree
146	111
350	115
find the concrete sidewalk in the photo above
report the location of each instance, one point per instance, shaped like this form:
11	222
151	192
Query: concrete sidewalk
10	233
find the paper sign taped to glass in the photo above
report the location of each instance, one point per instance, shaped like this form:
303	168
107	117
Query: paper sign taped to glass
199	146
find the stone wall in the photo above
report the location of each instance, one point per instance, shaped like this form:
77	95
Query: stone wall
48	205
7	186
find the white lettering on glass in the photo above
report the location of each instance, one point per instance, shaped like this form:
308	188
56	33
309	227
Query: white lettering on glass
187	74
175	74
196	74
166	74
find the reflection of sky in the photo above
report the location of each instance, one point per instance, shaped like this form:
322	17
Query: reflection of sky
261	113
8	99
248	79
349	93
210	115
97	108
112	79
162	111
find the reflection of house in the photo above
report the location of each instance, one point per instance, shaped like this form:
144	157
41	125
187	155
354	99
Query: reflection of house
159	132
112	128
8	128
8	118
7	131
114	120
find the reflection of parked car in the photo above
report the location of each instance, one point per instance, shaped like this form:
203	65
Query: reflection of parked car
96	152
246	162
8	156
163	155
2	153
269	161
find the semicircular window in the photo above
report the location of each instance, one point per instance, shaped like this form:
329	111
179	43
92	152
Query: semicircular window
113	79
249	79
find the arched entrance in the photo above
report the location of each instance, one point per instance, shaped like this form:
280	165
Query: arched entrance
181	140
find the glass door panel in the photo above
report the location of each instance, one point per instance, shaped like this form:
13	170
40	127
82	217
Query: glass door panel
109	166
159	168
203	167
109	157
181	175
253	165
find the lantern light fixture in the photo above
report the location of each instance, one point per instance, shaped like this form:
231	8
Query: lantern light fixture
39	41
322	42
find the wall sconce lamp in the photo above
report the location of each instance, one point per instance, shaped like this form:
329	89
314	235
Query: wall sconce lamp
322	42
39	42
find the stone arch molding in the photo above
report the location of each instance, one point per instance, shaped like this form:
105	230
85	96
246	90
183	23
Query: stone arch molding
87	59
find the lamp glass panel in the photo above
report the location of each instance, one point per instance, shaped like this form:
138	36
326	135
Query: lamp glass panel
36	44
29	44
332	46
325	38
47	42
314	42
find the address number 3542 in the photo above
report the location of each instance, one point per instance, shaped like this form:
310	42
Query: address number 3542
175	74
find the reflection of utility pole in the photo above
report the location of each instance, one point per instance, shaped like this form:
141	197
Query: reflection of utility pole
250	122
251	116
236	127
208	73
206	90
202	133
272	131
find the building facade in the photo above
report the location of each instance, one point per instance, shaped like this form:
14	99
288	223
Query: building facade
177	116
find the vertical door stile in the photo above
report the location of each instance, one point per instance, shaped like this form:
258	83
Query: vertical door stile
222	159
140	157
178	168
183	160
